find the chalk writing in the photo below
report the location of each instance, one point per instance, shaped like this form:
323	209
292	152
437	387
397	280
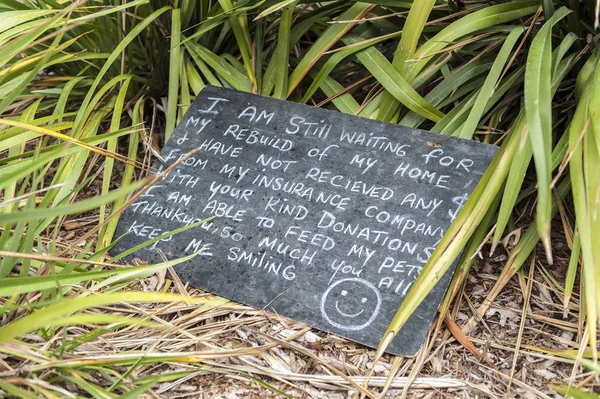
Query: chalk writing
322	217
350	300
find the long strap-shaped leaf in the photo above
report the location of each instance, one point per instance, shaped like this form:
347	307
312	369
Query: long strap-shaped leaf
239	25
175	60
489	16
14	18
67	307
82	115
447	89
411	32
393	82
69	209
22	285
333	61
463	227
486	91
326	40
538	109
283	51
586	197
465	26
523	156
69	139
226	71
448	249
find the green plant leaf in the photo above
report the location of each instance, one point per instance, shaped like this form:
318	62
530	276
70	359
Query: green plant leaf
77	207
275	7
21	285
393	82
14	18
281	58
325	41
44	317
574	393
469	24
538	107
486	91
175	61
411	33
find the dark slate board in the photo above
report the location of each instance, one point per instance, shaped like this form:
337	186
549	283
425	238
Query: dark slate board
325	218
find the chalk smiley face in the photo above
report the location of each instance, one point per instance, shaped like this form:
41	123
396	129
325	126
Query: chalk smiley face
351	304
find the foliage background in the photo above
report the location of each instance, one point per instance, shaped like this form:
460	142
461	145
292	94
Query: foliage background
89	90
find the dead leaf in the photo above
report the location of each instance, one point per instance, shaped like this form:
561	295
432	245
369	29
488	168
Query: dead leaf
71	226
464	340
547	374
545	294
505	315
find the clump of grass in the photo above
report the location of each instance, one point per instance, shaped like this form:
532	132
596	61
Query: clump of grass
90	90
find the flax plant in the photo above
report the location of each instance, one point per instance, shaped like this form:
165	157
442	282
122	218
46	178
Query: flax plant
90	90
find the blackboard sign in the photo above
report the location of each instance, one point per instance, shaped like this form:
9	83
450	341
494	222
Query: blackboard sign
322	217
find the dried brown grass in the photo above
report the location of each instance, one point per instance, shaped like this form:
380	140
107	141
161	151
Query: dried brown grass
237	351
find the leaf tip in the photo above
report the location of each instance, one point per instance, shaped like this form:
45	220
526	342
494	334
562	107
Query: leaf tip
547	247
